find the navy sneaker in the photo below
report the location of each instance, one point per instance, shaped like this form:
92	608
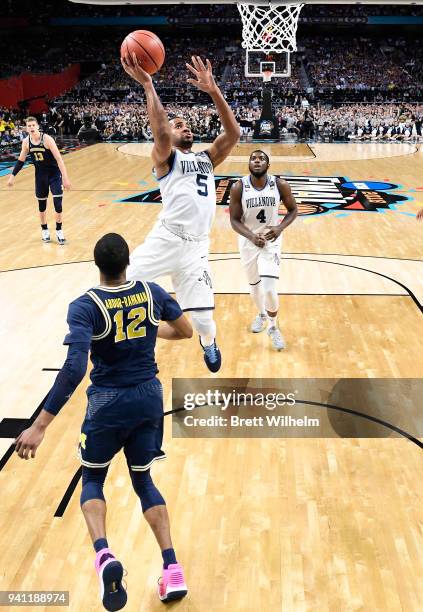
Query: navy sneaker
212	357
110	573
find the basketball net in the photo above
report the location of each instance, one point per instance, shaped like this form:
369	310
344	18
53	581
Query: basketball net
269	28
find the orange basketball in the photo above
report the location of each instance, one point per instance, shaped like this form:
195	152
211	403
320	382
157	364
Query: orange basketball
147	47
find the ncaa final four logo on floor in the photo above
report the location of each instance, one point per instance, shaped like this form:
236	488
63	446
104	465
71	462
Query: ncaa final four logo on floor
316	195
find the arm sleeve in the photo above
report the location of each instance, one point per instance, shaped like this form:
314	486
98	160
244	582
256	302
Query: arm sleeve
165	307
18	167
69	377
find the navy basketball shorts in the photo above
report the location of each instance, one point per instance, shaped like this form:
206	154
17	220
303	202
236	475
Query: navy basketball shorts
45	181
123	417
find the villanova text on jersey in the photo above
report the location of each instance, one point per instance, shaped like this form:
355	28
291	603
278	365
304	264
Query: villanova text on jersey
188	193
197	166
260	201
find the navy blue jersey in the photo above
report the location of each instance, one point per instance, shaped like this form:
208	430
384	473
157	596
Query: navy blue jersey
43	158
121	324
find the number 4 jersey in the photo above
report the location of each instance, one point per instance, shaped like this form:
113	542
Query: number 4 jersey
260	207
189	194
120	324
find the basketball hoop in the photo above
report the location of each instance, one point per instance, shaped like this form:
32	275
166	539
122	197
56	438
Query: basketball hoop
269	27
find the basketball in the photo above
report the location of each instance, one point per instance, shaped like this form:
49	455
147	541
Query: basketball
147	47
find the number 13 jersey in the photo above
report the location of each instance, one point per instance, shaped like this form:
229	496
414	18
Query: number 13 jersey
188	194
260	207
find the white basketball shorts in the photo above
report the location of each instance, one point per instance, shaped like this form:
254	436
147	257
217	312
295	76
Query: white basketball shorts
258	262
185	261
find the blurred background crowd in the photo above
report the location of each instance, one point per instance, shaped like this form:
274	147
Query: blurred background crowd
350	79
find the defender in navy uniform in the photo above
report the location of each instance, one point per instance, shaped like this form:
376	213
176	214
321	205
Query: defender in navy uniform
50	172
119	322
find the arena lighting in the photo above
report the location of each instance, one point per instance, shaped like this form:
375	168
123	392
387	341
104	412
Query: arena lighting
269	2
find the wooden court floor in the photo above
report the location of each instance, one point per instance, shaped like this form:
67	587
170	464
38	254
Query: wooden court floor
259	524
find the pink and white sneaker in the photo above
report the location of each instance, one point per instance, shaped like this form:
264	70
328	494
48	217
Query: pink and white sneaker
110	574
171	586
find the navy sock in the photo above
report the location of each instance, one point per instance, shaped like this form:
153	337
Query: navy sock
44	226
58	226
168	557
100	544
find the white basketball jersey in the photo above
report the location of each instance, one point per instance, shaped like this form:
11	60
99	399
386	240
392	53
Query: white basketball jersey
189	194
260	206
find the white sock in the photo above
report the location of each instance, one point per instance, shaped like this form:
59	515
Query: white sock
204	325
207	340
273	321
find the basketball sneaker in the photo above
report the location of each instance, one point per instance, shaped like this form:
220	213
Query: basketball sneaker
212	357
276	338
60	237
110	574
259	324
171	586
45	235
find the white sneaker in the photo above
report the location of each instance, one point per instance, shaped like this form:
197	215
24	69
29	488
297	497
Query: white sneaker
276	338
259	324
45	235
60	237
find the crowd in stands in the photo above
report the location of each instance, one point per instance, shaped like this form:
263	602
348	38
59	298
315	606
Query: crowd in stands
10	130
129	122
376	122
335	70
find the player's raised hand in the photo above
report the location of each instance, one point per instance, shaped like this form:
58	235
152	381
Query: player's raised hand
273	233
132	67
204	79
11	181
28	441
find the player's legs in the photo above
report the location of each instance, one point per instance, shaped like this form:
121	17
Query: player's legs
268	265
172	585
194	292
156	256
56	188
98	445
143	447
249	254
257	295
41	193
108	568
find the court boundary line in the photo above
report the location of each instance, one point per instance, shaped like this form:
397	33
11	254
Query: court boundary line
337	263
334	263
67	263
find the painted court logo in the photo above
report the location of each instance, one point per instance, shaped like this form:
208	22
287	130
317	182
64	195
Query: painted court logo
315	195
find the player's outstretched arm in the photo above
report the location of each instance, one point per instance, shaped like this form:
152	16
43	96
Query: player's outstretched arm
290	204
51	144
20	163
159	122
235	212
66	382
204	81
175	330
